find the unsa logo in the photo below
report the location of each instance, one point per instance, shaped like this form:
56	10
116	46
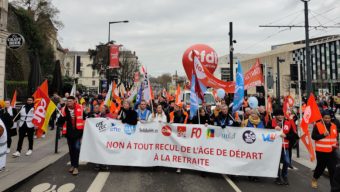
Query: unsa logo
249	137
166	130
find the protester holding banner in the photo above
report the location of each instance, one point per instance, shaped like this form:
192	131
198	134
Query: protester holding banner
26	126
73	116
158	116
143	112
203	117
280	124
225	119
7	116
179	115
3	146
325	136
105	112
127	114
253	120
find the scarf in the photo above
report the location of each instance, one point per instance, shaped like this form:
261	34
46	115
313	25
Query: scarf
253	121
10	111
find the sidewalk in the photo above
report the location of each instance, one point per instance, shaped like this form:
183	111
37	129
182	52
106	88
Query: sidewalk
20	168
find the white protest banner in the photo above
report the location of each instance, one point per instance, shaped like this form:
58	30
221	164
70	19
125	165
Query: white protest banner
233	150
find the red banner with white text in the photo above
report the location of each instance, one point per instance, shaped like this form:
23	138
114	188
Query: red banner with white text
114	56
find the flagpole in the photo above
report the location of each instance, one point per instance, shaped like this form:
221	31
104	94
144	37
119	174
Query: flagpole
265	85
300	110
198	112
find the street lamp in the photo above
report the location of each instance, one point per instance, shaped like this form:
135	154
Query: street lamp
107	69
113	22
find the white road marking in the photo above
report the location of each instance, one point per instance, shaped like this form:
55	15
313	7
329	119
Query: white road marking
231	183
99	182
80	163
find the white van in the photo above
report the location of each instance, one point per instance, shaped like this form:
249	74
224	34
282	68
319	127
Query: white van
208	98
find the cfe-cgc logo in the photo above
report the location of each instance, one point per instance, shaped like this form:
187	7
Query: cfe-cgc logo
181	131
129	129
166	130
101	126
249	137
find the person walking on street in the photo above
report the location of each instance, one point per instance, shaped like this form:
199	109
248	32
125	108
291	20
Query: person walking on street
325	136
3	146
26	126
73	116
7	116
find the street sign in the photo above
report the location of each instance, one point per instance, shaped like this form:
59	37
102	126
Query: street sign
15	41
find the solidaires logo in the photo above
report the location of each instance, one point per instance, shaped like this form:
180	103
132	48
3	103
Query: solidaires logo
129	129
249	137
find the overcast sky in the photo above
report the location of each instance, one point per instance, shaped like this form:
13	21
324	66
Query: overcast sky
161	30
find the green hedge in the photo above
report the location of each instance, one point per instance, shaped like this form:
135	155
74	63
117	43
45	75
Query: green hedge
20	86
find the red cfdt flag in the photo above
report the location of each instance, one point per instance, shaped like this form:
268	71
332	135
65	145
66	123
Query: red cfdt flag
114	56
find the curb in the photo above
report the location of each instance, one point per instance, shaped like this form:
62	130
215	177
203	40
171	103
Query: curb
16	179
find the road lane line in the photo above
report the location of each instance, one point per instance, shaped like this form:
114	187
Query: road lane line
99	182
231	183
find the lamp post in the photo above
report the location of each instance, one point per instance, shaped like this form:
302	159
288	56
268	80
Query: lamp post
113	22
108	61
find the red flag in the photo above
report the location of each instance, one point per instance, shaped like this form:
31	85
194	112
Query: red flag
114	56
253	77
14	99
307	141
178	93
311	114
43	87
269	110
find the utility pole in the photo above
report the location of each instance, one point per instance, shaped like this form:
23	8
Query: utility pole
309	87
231	49
308	74
278	61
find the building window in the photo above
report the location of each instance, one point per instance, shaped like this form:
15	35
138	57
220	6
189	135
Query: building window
68	65
93	83
80	74
93	73
67	73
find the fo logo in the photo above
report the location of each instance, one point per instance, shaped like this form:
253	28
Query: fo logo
129	129
166	130
249	137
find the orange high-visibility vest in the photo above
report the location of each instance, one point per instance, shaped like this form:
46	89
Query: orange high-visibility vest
326	144
78	112
172	117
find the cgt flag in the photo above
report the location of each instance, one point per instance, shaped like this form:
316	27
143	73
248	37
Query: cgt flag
43	111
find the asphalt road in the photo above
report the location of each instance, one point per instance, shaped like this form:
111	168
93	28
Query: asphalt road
56	177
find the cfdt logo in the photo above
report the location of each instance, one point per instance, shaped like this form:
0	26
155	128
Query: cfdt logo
101	126
166	130
249	137
196	132
129	129
181	131
114	128
270	137
210	133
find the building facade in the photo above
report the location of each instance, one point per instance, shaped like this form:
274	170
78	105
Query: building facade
325	63
3	37
78	65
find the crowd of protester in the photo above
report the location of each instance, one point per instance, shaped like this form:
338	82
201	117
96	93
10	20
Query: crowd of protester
74	110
